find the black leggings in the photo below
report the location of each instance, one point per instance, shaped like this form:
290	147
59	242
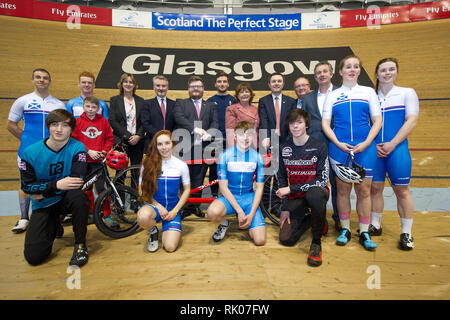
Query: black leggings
316	199
41	231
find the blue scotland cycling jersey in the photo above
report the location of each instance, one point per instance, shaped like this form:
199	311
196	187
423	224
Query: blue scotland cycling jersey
239	168
173	171
395	106
33	110
352	109
75	107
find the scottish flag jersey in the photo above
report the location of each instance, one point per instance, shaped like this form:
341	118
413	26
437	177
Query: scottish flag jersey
33	110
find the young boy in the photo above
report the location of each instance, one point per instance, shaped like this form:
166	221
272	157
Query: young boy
94	131
52	171
236	168
303	178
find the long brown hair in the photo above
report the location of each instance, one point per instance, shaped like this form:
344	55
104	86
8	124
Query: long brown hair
378	66
152	167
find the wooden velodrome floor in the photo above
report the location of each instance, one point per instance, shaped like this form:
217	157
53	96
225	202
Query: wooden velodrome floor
235	269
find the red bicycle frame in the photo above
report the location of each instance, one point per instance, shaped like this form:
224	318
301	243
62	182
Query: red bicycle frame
266	158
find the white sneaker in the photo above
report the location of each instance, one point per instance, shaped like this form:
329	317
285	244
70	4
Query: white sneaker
20	226
220	232
152	244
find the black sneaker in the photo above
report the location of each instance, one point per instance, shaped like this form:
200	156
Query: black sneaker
80	255
59	230
315	255
374	232
199	213
406	242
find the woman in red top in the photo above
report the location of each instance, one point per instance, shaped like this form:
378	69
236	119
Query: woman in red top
243	110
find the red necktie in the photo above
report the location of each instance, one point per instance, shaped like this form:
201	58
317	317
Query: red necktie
163	110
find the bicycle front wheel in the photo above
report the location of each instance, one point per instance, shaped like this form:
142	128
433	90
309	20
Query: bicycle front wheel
128	176
270	204
115	213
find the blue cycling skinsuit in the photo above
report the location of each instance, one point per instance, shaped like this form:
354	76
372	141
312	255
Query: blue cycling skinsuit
239	168
395	106
173	171
352	109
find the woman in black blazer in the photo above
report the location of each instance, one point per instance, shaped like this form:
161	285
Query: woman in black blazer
125	118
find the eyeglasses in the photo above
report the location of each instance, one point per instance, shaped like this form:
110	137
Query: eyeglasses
302	85
196	87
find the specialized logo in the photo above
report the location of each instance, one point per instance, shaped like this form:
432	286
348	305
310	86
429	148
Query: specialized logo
92	132
252	66
286	152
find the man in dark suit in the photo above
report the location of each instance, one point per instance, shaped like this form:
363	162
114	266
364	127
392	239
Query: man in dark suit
272	111
196	116
301	87
313	103
157	113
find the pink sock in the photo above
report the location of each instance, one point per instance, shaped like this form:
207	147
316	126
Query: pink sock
344	217
363	223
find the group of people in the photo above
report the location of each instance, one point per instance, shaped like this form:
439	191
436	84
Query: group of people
314	135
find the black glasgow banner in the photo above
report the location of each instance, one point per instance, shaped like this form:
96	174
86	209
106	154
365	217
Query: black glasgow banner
252	66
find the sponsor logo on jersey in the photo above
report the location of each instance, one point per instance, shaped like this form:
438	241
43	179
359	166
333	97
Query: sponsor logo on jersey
241	166
92	132
286	152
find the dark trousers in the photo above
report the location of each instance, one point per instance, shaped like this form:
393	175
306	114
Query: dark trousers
316	199
41	231
335	215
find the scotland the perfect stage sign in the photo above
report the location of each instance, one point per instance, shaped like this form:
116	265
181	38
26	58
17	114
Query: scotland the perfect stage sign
200	22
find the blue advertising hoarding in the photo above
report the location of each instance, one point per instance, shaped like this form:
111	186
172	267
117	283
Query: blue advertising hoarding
200	22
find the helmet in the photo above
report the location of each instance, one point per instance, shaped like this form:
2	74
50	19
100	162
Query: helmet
117	160
353	173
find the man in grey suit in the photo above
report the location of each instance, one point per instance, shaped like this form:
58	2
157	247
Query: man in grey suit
273	109
157	113
313	103
196	116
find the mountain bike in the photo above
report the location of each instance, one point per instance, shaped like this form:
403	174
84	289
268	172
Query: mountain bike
115	209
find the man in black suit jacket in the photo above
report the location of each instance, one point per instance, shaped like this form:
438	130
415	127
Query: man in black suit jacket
267	112
157	113
196	116
313	103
